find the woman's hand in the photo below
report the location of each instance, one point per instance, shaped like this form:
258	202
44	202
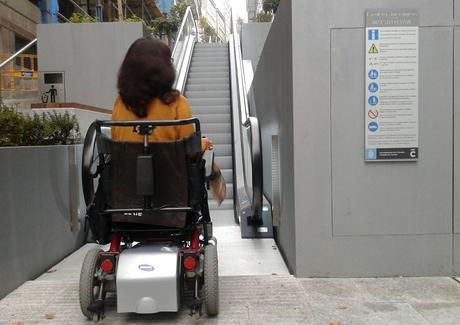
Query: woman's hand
206	144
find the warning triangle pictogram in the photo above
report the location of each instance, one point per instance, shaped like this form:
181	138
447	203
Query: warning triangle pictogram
373	49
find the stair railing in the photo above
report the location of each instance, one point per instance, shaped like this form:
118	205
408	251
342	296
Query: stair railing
183	48
11	58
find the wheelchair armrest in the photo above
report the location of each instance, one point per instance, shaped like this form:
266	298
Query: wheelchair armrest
107	131
208	157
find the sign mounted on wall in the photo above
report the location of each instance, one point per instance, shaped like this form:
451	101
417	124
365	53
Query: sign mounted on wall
391	87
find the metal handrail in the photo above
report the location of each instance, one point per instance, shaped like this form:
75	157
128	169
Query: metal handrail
11	58
183	48
249	124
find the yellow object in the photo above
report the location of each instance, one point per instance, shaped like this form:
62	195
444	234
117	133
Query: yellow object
373	49
20	75
157	110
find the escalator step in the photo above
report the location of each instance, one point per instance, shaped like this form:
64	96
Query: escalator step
193	94
195	102
206	87
216	128
206	81
224	162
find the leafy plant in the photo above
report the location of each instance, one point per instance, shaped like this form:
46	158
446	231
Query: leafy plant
165	26
264	17
61	128
270	6
18	129
79	18
179	9
11	125
134	19
208	31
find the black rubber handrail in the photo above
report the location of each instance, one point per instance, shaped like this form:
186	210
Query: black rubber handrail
251	124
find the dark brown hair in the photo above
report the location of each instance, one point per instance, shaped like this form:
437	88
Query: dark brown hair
146	73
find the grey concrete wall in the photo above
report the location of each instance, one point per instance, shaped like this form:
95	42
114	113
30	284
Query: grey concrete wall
353	218
456	108
41	205
272	89
90	56
253	36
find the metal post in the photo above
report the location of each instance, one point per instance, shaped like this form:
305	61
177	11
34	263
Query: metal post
120	10
142	9
53	8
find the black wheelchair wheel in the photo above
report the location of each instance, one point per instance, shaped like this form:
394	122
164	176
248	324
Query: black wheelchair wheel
89	284
211	280
89	164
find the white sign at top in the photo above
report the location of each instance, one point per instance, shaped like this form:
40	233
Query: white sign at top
391	87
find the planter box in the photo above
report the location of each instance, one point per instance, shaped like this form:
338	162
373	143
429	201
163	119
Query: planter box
41	210
85	114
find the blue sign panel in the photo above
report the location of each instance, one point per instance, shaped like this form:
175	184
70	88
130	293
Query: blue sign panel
373	34
370	154
373	87
373	100
373	126
373	74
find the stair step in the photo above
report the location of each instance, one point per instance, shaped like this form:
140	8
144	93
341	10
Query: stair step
220	138
208	94
194	102
216	128
210	48
205	44
198	110
210	54
229	192
223	55
227	204
224	162
214	118
207	58
208	63
222	150
207	81
206	87
209	75
221	69
228	174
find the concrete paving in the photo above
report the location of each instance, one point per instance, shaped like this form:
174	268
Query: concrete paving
255	288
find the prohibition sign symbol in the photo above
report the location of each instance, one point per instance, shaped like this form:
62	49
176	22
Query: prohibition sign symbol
373	114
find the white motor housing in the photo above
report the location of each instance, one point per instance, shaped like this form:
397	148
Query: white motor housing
148	279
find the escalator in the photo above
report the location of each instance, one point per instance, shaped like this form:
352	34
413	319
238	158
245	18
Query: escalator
208	92
212	77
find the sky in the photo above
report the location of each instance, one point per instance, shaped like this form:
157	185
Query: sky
239	6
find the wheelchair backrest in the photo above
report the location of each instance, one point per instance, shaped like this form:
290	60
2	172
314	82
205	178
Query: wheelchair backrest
152	177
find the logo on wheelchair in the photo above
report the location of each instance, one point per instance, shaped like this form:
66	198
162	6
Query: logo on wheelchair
146	267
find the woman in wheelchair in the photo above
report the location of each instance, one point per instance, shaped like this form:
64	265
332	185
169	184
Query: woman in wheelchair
151	200
145	83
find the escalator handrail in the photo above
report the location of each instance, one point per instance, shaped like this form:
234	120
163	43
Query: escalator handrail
252	123
183	49
249	123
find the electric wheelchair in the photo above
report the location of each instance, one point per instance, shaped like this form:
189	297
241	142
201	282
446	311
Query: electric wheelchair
148	200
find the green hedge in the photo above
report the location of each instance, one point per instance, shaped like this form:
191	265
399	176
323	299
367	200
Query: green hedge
18	129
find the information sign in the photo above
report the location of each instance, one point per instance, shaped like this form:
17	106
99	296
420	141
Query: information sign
391	87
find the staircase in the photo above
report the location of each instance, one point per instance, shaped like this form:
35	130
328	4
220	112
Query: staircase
208	92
